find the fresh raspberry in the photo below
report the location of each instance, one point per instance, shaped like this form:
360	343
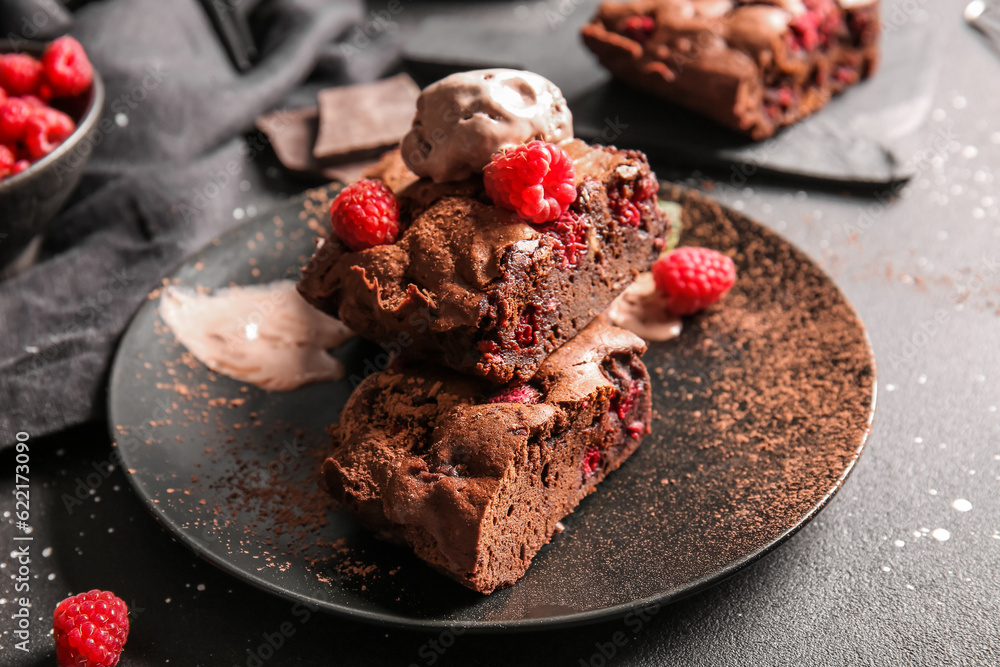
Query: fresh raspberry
365	214
14	115
536	180
19	166
90	629
639	28
626	212
591	462
7	161
636	429
35	102
693	278
570	232
524	334
523	394
3	95
20	74
67	69
45	130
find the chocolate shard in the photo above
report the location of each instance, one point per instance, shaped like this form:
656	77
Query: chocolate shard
364	119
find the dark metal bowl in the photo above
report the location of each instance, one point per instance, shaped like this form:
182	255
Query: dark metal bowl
29	200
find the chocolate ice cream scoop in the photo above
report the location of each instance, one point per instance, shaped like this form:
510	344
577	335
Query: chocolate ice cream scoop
463	119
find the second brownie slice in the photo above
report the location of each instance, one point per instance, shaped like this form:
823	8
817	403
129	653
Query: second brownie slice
475	287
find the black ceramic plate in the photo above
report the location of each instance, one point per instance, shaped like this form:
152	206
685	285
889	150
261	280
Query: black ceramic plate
734	465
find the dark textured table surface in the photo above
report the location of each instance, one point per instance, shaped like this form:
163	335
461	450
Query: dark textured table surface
901	568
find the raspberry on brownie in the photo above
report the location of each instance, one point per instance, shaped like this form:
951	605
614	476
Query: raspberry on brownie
475	478
478	288
754	66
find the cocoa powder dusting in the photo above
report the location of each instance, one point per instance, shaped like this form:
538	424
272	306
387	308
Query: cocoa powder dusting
775	388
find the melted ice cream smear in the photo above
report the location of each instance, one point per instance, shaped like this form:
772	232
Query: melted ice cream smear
640	309
266	335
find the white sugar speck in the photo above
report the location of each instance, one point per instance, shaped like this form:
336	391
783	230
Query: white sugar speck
995	137
121	120
918	440
959	102
47	551
970	152
238	213
900	543
961	504
933	492
922	379
941	534
200	587
890	387
886	568
52	577
910	587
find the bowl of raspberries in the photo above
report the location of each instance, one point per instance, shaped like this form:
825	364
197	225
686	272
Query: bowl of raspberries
50	103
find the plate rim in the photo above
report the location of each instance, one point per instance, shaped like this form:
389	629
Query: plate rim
387	619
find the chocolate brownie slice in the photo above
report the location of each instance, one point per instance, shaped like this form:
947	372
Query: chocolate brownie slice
477	288
754	66
475	478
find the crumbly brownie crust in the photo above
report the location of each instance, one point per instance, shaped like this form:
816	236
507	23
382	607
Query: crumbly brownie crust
754	66
475	478
475	287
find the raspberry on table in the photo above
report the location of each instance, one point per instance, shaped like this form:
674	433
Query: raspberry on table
693	278
7	161
365	214
14	115
19	166
20	74
68	71
44	130
90	629
536	180
3	95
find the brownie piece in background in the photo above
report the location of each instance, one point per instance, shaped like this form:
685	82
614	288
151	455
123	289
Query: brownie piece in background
476	478
752	66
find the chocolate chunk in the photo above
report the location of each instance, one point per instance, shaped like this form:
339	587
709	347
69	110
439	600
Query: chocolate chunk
362	120
292	135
